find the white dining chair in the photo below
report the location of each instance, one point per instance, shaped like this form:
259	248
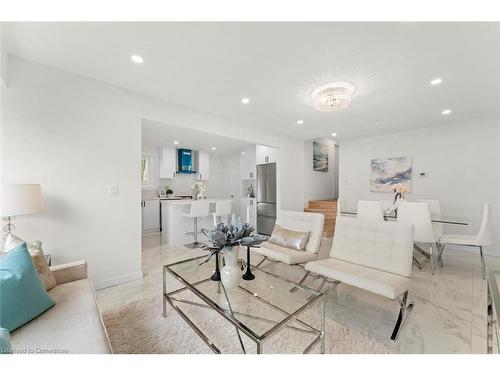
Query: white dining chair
482	238
417	214
222	210
370	210
435	210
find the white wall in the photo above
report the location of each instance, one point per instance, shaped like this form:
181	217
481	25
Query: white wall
76	136
318	185
3	58
462	162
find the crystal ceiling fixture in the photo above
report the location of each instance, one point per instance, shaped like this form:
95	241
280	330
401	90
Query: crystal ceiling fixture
332	96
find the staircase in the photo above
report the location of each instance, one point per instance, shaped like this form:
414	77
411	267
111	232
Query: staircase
327	208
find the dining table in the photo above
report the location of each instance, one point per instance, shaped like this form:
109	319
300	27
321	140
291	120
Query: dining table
443	219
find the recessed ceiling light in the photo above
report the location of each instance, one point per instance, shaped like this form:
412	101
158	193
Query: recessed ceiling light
245	100
446	111
436	81
176	142
300	122
243	153
334	134
137	59
214	148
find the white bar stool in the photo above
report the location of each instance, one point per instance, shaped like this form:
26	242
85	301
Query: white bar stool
222	209
198	210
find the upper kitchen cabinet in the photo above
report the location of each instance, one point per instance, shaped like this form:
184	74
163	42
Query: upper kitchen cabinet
168	166
203	165
266	154
247	164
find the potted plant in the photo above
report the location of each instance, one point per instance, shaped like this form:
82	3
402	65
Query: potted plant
168	191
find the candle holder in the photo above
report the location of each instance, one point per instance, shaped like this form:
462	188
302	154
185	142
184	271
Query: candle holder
248	275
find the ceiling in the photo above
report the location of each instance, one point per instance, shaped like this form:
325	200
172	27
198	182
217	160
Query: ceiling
211	66
156	134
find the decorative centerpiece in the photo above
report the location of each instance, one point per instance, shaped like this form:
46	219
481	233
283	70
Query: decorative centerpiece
198	190
400	190
226	239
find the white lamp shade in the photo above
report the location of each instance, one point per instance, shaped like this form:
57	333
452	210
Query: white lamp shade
20	199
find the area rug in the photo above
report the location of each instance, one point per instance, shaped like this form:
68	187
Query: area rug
139	327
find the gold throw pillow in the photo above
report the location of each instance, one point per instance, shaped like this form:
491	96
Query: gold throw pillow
44	273
292	239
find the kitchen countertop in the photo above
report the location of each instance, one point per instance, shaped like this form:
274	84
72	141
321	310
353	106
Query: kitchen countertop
180	202
165	199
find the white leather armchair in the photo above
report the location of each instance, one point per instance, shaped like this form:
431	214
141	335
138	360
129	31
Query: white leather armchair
299	221
372	255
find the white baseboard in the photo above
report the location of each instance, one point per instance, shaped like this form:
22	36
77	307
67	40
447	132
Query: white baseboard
101	284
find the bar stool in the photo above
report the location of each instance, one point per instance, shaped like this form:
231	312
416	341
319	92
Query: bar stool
222	209
198	210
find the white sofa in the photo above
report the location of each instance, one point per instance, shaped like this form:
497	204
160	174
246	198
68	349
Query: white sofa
72	325
372	255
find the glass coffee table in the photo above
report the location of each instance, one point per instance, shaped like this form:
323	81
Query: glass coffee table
493	312
258	308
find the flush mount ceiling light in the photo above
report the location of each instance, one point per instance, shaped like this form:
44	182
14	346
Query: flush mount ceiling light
334	134
245	100
137	59
436	81
300	122
214	148
446	111
176	142
332	96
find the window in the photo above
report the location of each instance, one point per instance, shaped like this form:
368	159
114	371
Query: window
145	163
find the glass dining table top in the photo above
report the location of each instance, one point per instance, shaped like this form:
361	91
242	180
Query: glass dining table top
434	218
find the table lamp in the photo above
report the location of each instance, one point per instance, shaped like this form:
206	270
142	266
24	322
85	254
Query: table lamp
17	200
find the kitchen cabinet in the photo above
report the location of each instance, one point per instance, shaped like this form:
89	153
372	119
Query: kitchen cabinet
151	215
203	165
247	164
168	165
266	154
248	206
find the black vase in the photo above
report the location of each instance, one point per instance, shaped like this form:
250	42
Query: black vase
216	274
248	275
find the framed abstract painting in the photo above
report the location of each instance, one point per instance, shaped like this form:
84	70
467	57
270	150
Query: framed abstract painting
388	172
320	157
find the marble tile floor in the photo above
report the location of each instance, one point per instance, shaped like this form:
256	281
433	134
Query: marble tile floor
449	314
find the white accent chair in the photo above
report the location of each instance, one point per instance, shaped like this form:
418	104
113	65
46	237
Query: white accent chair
299	221
482	238
370	210
372	255
417	214
198	210
222	210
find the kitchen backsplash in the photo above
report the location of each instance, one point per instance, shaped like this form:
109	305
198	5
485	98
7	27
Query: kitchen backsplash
180	185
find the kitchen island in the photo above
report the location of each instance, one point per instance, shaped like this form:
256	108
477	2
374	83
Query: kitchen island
175	225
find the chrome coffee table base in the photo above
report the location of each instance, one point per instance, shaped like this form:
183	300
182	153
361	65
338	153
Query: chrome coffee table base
232	315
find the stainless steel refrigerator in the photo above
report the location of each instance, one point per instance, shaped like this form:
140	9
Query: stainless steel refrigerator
266	198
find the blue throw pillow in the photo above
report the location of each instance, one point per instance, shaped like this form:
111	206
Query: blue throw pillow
5	346
22	295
